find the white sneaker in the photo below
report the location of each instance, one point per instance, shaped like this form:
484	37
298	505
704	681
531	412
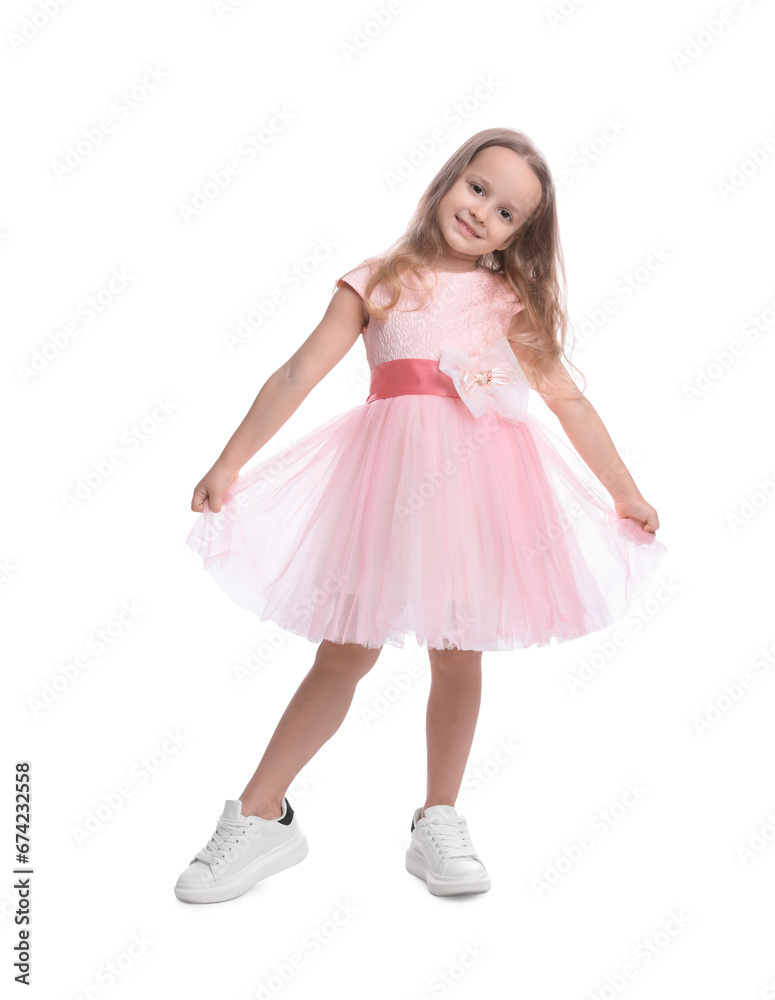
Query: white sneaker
441	853
242	851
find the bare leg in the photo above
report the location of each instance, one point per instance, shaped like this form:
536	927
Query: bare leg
313	715
450	722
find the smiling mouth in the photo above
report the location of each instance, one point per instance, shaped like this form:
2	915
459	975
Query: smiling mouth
467	229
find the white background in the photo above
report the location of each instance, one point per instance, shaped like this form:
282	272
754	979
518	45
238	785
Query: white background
686	126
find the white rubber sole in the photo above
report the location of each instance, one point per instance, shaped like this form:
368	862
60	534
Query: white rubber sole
441	886
282	857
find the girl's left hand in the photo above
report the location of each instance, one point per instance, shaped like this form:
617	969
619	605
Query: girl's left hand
638	510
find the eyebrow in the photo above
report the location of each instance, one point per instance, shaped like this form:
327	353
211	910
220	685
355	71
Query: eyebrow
480	177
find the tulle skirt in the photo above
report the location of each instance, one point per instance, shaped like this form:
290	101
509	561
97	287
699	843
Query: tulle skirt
408	515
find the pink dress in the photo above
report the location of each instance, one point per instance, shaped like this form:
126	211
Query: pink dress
438	507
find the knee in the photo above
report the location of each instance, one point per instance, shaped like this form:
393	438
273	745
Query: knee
346	658
454	659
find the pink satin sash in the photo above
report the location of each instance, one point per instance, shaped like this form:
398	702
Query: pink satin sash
409	375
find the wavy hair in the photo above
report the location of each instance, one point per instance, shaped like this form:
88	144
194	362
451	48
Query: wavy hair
532	263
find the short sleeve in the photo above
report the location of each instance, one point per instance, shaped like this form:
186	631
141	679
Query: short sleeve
356	278
512	303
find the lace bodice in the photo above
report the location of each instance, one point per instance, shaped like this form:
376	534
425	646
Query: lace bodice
469	310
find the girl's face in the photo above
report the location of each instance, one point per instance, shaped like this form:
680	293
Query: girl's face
496	193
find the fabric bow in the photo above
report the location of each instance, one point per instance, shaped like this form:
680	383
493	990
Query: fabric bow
492	377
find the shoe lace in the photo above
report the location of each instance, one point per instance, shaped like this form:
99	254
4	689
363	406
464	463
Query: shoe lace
224	841
452	840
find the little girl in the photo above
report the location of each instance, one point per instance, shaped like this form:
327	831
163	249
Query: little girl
438	507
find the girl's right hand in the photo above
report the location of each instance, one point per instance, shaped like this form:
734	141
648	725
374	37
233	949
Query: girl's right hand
213	487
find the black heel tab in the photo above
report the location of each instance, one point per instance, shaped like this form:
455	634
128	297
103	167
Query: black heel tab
286	820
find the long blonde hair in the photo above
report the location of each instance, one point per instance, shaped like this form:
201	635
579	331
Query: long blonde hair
532	264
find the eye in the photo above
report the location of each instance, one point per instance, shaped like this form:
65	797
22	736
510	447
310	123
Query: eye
475	185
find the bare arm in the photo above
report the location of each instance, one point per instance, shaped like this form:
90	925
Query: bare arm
284	391
589	436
